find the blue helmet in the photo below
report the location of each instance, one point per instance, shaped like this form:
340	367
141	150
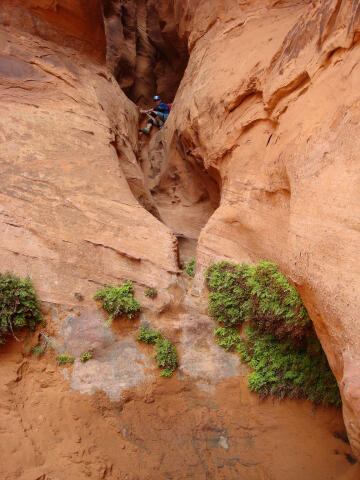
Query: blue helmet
156	98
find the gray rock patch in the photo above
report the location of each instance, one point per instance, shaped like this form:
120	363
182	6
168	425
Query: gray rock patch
117	362
202	359
120	366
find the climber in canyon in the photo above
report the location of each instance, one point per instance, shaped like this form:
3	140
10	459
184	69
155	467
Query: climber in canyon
161	111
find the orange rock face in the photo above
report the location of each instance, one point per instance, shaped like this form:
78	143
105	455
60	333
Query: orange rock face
65	125
269	102
258	157
144	58
71	23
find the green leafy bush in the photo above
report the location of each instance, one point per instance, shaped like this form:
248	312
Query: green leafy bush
281	369
151	292
119	301
166	356
280	345
276	305
19	305
148	335
190	267
259	293
64	359
227	337
85	357
229	300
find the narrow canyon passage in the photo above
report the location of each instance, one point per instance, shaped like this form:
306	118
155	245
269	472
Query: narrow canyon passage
256	161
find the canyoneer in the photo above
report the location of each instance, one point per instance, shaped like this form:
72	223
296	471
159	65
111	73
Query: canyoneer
156	116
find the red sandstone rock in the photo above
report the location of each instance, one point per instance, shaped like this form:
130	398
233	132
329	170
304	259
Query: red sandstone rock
144	58
270	102
69	218
72	23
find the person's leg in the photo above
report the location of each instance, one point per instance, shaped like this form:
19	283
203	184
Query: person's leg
155	120
148	128
161	115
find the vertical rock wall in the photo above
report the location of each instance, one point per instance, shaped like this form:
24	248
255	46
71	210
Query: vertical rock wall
70	216
270	101
69	142
143	56
71	23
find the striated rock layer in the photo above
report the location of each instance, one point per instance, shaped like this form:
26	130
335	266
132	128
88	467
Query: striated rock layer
269	107
68	214
75	214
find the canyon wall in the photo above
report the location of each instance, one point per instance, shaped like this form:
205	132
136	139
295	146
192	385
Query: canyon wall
144	57
258	155
68	158
270	102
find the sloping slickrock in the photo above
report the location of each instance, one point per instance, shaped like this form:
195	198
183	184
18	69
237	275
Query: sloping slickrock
69	217
165	429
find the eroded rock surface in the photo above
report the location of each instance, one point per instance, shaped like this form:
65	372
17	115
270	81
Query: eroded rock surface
68	160
270	102
145	56
255	121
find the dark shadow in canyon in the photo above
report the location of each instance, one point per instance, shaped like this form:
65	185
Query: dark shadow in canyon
145	53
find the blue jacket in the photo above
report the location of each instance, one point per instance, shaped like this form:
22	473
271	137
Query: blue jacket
163	108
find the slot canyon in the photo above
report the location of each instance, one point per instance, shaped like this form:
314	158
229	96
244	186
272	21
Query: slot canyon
256	162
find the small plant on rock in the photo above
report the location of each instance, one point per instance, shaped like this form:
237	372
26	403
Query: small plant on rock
39	350
64	359
151	292
166	356
44	342
19	306
148	335
229	300
85	357
281	369
119	301
190	267
276	305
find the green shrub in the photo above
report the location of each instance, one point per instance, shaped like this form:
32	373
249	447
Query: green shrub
166	356
259	293
280	345
276	305
229	300
151	292
85	357
19	305
227	337
119	301
190	267
148	335
64	358
39	350
281	369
